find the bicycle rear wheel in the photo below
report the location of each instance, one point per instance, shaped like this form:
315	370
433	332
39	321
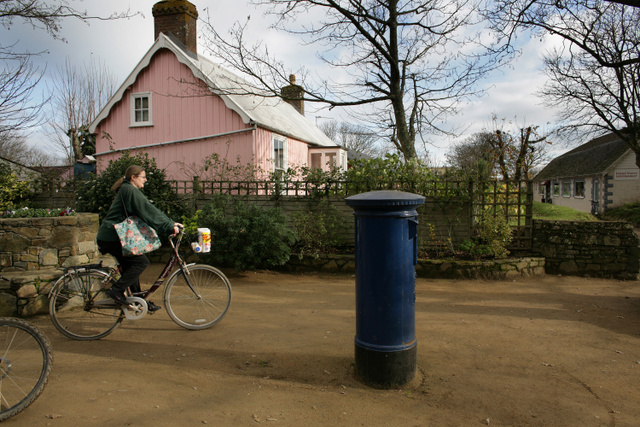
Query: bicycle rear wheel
207	306
80	309
25	364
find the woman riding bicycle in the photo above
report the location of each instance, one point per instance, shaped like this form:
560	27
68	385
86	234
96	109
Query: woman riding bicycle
131	201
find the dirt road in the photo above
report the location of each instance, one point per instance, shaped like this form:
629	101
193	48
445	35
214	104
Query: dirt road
556	351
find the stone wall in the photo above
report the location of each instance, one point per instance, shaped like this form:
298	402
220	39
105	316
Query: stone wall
587	248
44	243
32	250
434	269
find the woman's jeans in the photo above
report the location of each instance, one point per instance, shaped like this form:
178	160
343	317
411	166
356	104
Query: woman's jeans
132	266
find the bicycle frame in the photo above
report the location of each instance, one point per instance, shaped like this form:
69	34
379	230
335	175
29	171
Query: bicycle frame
110	273
173	259
196	296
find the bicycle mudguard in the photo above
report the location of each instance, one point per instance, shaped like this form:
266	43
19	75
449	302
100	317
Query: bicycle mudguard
68	276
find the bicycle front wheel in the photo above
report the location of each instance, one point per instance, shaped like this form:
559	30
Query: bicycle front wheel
80	309
201	305
25	364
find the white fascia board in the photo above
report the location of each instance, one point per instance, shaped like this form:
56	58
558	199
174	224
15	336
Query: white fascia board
164	42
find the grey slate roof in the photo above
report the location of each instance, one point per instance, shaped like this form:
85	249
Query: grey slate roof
593	158
268	112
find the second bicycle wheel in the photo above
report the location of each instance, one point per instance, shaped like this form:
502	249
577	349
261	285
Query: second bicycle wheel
80	309
25	364
204	308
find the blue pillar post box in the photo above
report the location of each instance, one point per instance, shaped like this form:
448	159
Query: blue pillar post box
386	254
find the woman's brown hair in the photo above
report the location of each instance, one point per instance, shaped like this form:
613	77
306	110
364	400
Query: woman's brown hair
133	170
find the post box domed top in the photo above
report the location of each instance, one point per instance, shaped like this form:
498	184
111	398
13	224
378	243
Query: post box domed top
385	198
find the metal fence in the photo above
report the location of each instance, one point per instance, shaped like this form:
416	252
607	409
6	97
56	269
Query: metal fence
464	201
512	200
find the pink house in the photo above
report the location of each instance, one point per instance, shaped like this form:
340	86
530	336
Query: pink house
181	108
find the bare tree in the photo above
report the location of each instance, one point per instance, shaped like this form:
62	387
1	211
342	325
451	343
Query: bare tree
517	155
352	137
510	153
13	146
18	80
77	97
18	76
474	157
47	15
408	63
594	75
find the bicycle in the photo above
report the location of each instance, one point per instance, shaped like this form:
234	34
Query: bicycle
197	296
25	364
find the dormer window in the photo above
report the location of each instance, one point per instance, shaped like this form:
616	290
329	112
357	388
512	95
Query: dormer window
141	113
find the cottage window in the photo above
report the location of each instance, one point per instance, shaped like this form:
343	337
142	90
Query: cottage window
578	189
316	160
279	154
556	188
141	113
331	160
566	189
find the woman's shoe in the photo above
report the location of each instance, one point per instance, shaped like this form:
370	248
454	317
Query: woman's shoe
117	296
152	308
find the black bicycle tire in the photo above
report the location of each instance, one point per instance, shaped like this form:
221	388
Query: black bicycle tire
47	363
194	269
64	330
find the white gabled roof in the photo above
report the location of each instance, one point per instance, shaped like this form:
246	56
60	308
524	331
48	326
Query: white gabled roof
268	112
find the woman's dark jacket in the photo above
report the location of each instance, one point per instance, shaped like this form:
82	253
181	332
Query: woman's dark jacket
136	204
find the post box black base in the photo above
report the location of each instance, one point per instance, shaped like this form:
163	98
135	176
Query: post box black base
383	369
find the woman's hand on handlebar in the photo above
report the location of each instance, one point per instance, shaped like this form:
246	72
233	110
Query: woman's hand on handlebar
177	227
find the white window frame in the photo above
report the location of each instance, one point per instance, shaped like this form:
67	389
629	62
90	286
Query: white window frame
282	140
141	95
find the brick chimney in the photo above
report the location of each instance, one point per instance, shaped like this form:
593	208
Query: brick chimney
178	17
293	94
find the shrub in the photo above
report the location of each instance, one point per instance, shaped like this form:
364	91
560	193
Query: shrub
245	236
495	232
318	227
12	191
94	194
476	249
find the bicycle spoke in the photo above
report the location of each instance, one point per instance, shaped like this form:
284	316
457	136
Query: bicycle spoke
73	309
24	365
199	300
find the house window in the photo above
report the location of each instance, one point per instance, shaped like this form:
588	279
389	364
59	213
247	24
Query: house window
566	189
541	189
279	154
141	114
331	160
556	189
578	189
316	160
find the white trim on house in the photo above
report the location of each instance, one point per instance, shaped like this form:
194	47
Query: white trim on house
268	111
138	111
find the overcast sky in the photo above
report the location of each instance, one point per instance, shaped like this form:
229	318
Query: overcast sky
121	44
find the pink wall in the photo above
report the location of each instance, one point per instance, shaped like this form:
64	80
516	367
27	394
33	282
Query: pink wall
182	109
